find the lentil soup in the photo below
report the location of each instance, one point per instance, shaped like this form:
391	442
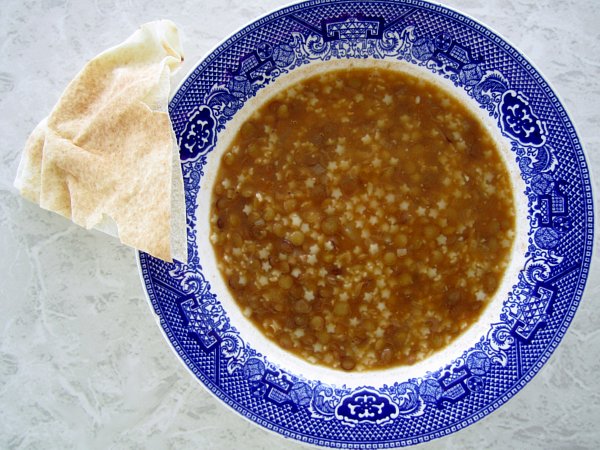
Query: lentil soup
362	219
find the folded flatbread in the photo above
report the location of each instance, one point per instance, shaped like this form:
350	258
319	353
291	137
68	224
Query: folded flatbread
106	156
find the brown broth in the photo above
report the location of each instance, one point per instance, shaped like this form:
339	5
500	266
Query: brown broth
362	219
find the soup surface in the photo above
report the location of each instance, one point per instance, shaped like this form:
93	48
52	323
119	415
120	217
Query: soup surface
362	219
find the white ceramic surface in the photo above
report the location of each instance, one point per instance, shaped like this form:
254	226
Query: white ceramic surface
76	371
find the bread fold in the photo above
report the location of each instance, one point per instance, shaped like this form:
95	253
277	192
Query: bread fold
106	156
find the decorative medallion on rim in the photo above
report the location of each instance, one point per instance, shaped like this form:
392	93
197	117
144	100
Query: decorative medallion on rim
536	312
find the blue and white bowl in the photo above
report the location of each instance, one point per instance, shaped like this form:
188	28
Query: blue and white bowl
525	320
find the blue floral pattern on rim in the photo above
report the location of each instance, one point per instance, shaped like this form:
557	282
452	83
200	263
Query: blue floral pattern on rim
536	313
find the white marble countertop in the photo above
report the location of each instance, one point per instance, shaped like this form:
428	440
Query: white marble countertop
82	362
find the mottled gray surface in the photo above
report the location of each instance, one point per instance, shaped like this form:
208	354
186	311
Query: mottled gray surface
82	362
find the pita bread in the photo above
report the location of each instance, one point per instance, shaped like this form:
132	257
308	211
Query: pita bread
106	155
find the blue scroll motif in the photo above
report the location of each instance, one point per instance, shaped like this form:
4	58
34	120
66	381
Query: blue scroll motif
199	135
407	397
366	405
526	307
488	89
324	401
518	120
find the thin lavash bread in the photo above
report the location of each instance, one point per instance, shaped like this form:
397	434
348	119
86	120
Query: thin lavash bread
106	156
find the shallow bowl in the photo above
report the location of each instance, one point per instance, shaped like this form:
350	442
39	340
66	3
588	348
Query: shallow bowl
525	320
